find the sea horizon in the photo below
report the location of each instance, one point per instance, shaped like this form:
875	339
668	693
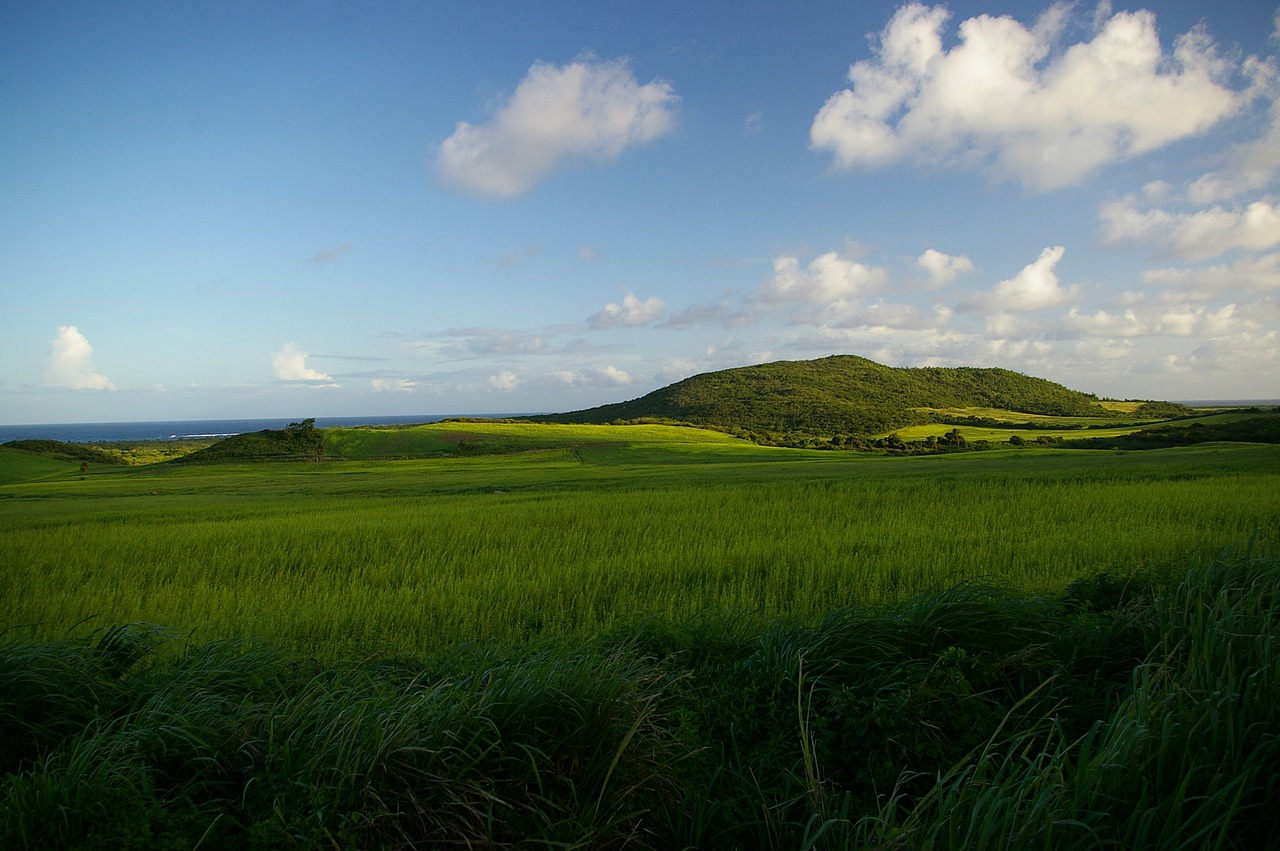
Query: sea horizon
113	432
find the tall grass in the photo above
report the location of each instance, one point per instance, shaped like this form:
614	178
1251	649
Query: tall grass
1125	712
344	558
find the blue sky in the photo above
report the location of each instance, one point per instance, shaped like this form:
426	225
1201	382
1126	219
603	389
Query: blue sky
218	210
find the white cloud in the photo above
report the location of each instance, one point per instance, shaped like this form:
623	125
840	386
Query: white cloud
606	376
942	268
1104	324
1197	321
504	381
880	315
472	342
616	376
71	363
584	110
1249	274
1015	100
1094	350
1245	353
393	385
632	311
290	364
827	279
1197	235
1015	352
1002	324
1033	288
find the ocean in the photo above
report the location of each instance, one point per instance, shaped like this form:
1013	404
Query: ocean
192	429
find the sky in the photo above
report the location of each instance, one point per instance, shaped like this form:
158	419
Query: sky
244	209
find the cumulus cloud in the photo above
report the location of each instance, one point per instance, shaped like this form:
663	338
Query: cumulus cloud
1002	324
942	268
1102	323
616	376
1244	353
632	311
290	364
504	381
1250	274
586	110
1033	288
1197	235
1199	321
826	279
71	363
1015	100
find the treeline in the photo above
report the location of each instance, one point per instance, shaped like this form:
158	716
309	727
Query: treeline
297	441
1260	429
66	451
1132	711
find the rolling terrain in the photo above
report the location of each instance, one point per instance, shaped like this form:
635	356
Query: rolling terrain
511	634
846	394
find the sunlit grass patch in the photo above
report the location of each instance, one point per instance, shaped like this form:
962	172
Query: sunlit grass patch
341	557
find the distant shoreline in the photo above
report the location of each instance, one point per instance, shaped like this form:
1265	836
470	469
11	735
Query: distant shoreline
199	429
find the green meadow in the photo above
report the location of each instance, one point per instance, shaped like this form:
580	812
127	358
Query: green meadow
419	539
518	636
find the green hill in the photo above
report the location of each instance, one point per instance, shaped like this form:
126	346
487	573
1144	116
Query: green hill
57	450
842	394
299	441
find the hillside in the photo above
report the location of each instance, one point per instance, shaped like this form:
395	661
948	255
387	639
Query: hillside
841	394
300	440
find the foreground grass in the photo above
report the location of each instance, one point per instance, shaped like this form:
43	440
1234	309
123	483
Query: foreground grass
591	531
1130	711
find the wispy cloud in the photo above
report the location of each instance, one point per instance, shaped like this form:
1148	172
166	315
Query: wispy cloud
329	254
521	258
393	385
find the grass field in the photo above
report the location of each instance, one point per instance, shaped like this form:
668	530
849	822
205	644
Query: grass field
493	635
509	532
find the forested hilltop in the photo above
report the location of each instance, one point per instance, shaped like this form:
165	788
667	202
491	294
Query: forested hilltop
846	394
